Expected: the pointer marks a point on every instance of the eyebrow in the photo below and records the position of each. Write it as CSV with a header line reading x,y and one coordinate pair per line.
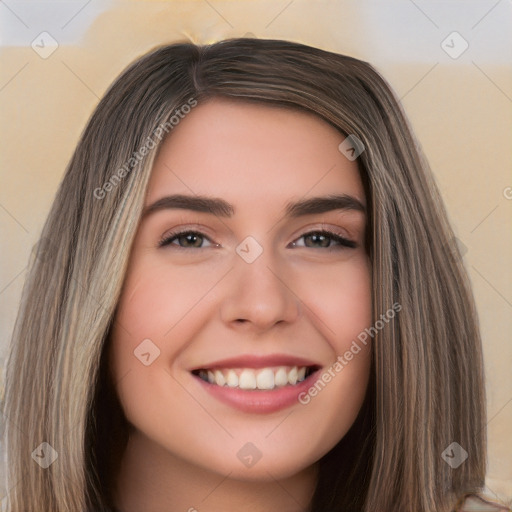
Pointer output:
x,y
221,208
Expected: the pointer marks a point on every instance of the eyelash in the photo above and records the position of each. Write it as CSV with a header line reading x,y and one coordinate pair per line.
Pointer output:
x,y
344,243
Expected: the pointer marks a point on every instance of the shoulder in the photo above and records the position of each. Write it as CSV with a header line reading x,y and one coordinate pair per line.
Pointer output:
x,y
477,504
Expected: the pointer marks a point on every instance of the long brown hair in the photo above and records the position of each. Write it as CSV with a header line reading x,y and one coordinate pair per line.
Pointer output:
x,y
426,389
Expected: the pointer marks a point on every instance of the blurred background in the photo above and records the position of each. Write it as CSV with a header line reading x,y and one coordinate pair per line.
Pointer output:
x,y
450,63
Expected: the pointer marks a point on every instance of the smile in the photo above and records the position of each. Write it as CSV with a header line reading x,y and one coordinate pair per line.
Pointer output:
x,y
256,379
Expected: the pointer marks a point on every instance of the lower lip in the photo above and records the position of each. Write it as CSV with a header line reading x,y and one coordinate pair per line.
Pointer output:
x,y
259,401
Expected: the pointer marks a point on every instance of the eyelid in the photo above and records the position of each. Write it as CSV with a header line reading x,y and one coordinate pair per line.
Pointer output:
x,y
175,232
344,240
324,226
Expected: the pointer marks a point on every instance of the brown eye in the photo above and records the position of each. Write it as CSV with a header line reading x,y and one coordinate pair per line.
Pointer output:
x,y
186,239
322,240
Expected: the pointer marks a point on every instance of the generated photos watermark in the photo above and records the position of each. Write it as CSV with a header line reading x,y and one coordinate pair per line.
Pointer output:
x,y
454,455
352,146
149,144
343,360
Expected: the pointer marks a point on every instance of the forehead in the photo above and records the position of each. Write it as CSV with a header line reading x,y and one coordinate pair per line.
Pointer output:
x,y
253,154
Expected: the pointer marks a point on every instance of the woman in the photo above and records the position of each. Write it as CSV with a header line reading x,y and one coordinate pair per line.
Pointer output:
x,y
315,347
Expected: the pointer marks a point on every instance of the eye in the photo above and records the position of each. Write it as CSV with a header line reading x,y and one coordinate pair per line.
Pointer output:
x,y
190,239
323,240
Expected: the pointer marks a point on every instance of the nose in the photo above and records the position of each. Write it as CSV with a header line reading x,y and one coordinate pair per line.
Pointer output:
x,y
259,295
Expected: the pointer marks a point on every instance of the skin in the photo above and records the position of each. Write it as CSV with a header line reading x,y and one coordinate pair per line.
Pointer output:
x,y
199,303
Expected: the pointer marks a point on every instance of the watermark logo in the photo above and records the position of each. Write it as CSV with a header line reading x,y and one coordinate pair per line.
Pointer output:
x,y
454,455
249,249
45,455
454,45
44,45
351,147
249,455
146,352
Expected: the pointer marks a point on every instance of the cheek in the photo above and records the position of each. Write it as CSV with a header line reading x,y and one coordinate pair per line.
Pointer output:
x,y
162,304
148,308
148,322
344,307
341,300
156,298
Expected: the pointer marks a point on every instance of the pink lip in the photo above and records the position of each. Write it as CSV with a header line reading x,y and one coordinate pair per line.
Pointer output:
x,y
255,361
259,401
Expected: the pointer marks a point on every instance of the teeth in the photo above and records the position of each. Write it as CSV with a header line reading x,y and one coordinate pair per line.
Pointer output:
x,y
281,378
265,379
219,378
232,380
249,379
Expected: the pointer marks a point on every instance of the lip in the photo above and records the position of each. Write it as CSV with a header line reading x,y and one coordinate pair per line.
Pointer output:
x,y
259,401
257,361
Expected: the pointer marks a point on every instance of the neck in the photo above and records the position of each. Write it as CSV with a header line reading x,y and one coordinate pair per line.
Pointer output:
x,y
153,480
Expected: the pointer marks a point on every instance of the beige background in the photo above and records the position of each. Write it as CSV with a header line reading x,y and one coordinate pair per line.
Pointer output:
x,y
460,108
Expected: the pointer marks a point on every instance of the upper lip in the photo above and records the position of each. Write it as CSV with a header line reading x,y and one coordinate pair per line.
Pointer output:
x,y
258,361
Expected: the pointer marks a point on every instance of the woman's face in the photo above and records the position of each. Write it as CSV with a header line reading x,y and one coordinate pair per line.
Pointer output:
x,y
253,297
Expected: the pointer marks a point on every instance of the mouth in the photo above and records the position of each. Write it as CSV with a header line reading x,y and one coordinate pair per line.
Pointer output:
x,y
254,379
257,383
